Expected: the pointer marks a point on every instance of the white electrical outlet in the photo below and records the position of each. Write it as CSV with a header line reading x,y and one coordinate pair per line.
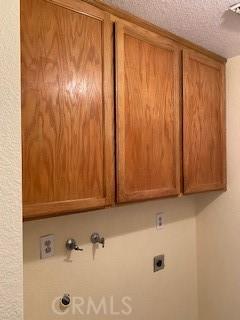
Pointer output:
x,y
47,246
159,221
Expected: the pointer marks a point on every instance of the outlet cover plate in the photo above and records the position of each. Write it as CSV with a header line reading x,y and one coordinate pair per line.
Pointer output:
x,y
158,263
159,221
47,246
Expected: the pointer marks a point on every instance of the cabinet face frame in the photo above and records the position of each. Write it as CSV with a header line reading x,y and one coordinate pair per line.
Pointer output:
x,y
121,29
220,67
53,208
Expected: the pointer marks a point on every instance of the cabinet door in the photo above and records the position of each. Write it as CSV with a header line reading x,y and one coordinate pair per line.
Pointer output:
x,y
67,113
147,85
203,123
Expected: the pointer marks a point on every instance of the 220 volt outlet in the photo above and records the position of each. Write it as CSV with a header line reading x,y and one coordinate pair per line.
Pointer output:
x,y
158,263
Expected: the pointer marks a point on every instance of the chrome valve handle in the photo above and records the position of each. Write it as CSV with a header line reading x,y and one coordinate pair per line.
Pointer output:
x,y
71,244
95,238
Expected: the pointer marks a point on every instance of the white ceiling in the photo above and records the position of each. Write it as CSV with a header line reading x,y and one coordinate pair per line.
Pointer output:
x,y
204,22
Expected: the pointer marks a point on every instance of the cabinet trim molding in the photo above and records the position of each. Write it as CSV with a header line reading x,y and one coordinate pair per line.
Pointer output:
x,y
57,208
122,14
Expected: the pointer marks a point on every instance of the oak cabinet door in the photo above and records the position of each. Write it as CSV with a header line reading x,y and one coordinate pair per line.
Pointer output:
x,y
67,112
147,114
203,123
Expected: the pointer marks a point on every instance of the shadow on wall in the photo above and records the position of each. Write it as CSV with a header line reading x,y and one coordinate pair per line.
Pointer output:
x,y
111,222
204,200
231,21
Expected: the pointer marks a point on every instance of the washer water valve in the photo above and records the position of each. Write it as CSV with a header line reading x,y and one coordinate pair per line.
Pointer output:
x,y
71,244
95,238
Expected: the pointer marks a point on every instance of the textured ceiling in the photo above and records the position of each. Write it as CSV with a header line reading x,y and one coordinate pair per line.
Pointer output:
x,y
204,22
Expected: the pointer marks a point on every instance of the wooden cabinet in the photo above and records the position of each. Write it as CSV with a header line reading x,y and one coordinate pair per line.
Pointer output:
x,y
148,99
204,145
161,134
67,108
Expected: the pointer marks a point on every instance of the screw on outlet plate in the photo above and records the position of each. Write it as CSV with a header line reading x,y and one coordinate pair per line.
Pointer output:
x,y
158,263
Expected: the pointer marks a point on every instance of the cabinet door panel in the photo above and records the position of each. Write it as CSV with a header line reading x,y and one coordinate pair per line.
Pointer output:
x,y
203,123
67,115
147,72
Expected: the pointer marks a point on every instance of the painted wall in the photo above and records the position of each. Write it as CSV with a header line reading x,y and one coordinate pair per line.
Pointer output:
x,y
218,222
124,268
10,164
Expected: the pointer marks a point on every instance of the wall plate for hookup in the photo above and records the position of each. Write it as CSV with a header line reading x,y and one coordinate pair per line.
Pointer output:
x,y
158,263
159,221
47,246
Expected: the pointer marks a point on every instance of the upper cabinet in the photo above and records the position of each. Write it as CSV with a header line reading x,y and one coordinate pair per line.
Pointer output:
x,y
114,110
67,107
147,114
204,144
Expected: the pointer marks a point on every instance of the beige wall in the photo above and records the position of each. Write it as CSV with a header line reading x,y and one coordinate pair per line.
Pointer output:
x,y
10,164
123,267
218,222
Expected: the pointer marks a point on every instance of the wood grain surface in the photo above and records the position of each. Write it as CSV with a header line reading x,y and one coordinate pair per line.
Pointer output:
x,y
204,143
147,115
117,13
66,108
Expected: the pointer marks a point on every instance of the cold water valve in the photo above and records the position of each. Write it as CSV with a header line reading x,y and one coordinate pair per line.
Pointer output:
x,y
96,238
